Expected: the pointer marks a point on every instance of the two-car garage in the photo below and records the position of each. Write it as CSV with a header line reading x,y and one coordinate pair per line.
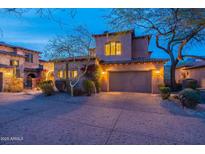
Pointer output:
x,y
130,81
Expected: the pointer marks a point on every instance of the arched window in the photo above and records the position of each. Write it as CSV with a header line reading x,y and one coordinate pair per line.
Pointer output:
x,y
113,49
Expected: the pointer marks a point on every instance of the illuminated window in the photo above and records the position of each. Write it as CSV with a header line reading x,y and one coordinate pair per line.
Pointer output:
x,y
107,49
64,73
113,49
14,63
71,74
74,74
60,74
118,48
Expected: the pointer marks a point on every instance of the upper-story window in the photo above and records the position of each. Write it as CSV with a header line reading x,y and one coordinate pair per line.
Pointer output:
x,y
14,63
113,49
29,57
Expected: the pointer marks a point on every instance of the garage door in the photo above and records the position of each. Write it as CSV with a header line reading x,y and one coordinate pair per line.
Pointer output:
x,y
130,81
1,81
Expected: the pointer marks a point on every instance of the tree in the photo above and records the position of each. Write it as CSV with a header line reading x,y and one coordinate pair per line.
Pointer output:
x,y
174,29
72,46
46,13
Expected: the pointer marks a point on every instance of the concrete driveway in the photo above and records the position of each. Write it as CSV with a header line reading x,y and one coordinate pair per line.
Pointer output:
x,y
106,118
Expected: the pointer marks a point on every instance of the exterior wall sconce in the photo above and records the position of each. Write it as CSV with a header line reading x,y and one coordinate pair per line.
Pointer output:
x,y
157,71
103,72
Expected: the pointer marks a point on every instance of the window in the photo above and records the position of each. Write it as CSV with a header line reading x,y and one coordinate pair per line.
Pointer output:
x,y
113,48
14,63
60,74
65,74
29,57
74,74
71,74
118,48
107,49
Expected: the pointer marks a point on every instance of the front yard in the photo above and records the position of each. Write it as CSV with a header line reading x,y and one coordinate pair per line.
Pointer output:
x,y
106,118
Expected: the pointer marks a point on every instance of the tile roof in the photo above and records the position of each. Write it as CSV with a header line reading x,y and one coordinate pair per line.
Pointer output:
x,y
136,60
113,33
10,53
5,66
197,64
16,47
78,58
33,69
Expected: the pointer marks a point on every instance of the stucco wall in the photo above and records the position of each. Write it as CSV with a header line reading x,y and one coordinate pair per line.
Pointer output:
x,y
49,66
6,49
5,59
72,66
36,57
156,69
125,39
197,73
140,47
8,73
35,63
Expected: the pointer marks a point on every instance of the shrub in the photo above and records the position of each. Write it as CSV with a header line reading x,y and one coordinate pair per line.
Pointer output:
x,y
94,73
189,83
97,86
78,91
189,98
14,85
47,87
60,85
165,92
89,87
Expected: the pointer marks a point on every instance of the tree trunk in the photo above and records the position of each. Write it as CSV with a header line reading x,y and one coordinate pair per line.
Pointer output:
x,y
67,79
172,75
71,91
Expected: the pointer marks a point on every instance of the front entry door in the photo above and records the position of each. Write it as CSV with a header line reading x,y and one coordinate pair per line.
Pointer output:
x,y
1,81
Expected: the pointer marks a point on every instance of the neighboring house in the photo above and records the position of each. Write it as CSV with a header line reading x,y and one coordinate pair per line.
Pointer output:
x,y
48,69
194,70
125,61
18,62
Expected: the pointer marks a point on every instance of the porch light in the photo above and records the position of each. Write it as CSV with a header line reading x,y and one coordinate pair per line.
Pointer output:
x,y
157,71
103,72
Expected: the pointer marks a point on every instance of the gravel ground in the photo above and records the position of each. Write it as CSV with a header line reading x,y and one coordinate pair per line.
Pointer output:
x,y
106,118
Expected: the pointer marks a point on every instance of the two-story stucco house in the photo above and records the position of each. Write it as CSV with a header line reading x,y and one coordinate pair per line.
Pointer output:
x,y
18,62
125,61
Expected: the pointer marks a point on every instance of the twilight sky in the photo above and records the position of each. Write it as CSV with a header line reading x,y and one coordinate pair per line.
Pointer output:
x,y
34,32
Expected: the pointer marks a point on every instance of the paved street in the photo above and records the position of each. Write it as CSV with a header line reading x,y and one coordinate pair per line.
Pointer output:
x,y
106,118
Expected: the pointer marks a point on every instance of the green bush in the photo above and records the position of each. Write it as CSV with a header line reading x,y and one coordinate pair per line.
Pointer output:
x,y
89,87
189,98
47,87
189,83
61,85
165,92
97,86
94,73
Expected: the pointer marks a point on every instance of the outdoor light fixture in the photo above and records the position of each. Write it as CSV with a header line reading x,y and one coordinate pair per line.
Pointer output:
x,y
103,72
157,71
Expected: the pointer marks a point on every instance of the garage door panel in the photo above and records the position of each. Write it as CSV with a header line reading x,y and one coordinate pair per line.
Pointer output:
x,y
130,81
